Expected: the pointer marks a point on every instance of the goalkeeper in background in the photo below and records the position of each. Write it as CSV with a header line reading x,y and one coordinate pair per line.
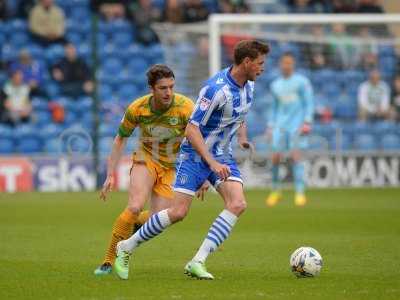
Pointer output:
x,y
289,122
162,117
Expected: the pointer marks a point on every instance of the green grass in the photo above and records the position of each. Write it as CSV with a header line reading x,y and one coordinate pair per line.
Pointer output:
x,y
50,244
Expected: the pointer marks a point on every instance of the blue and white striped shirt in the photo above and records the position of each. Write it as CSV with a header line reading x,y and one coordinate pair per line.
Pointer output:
x,y
220,110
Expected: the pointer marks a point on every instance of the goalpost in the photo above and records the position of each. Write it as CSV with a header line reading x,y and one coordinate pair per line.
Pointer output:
x,y
217,22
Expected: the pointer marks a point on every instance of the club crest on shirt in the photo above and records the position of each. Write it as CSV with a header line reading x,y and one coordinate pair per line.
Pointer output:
x,y
173,121
204,103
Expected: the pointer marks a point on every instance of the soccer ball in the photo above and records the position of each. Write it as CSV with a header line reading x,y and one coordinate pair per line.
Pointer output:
x,y
305,262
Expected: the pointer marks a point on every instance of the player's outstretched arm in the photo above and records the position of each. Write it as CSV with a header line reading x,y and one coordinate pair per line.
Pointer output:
x,y
195,138
116,153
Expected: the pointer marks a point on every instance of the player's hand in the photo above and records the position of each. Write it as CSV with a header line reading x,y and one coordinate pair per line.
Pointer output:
x,y
223,171
107,187
246,145
202,190
305,128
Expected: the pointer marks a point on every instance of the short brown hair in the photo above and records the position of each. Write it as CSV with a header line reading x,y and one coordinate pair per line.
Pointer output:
x,y
249,48
157,72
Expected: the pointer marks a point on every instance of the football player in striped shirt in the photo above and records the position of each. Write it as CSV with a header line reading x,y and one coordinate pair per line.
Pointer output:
x,y
206,154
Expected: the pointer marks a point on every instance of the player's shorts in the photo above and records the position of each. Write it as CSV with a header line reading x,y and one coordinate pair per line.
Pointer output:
x,y
285,141
192,172
163,177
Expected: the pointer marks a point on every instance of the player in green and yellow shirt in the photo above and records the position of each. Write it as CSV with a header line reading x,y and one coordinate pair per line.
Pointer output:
x,y
162,117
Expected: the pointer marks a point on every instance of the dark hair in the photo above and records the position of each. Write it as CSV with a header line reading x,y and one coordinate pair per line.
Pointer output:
x,y
249,48
288,53
157,72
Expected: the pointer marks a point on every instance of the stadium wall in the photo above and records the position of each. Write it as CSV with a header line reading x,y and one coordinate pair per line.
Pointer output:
x,y
53,174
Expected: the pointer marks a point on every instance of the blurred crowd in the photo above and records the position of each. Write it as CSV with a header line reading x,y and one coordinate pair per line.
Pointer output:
x,y
47,26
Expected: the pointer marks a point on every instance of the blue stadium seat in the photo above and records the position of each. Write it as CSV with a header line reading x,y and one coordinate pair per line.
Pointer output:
x,y
155,54
107,130
19,40
6,145
39,104
25,131
78,13
54,53
136,66
74,37
341,142
390,142
127,92
385,127
318,143
29,145
51,131
122,40
345,110
52,146
17,25
36,51
6,131
105,92
105,145
112,66
42,118
365,142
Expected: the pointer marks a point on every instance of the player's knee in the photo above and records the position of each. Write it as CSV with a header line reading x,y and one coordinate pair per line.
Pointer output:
x,y
178,213
134,208
238,206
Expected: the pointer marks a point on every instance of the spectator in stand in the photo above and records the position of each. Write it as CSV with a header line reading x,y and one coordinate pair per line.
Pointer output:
x,y
396,99
301,7
110,9
316,53
173,12
73,74
374,98
342,48
367,51
32,72
3,10
343,6
143,13
194,11
233,6
15,100
373,7
47,24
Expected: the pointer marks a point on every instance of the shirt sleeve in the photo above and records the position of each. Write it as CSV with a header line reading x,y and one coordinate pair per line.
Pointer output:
x,y
210,99
128,123
308,98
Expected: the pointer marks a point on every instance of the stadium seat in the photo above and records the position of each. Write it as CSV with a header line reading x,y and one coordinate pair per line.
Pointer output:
x,y
51,131
78,13
112,66
390,142
39,104
42,118
122,40
385,127
29,145
17,25
52,146
6,131
136,66
19,40
6,145
341,142
107,130
105,92
105,145
365,142
127,92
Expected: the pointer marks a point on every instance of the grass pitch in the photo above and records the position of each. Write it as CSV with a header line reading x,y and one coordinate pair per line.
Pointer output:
x,y
50,243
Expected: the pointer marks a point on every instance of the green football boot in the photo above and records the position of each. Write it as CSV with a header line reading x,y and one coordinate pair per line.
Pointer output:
x,y
197,270
121,264
103,269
